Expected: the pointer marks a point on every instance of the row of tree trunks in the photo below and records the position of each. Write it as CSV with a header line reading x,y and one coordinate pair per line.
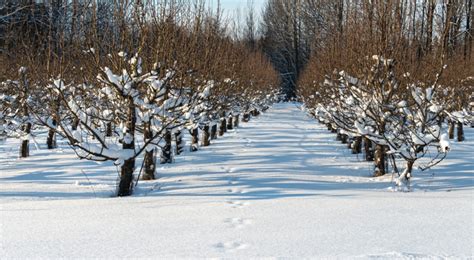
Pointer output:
x,y
255,112
377,154
209,133
460,130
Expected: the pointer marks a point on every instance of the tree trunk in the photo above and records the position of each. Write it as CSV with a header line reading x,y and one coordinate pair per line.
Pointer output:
x,y
246,117
222,127
230,124
178,137
369,153
460,132
468,34
149,165
126,178
357,145
236,121
344,138
214,132
51,140
255,112
194,139
25,147
379,160
407,173
166,153
128,167
205,136
429,24
109,130
451,129
149,161
350,141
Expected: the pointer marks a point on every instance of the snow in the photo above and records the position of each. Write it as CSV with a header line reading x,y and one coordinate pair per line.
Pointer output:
x,y
278,186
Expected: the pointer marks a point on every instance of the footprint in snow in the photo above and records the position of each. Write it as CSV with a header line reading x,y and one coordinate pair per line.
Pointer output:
x,y
231,246
232,181
236,191
238,204
238,222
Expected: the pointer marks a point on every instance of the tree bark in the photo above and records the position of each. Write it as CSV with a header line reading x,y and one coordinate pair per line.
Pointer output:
x,y
214,132
460,132
379,160
25,147
205,136
369,153
166,153
236,121
149,163
451,127
357,145
109,130
230,124
246,117
350,141
51,140
178,137
194,139
407,174
128,167
344,138
429,24
255,112
222,127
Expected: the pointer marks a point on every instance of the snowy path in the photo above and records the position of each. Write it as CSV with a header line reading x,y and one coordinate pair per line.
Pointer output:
x,y
279,186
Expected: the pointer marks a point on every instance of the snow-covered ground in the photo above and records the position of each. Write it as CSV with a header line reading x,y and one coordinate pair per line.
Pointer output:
x,y
278,186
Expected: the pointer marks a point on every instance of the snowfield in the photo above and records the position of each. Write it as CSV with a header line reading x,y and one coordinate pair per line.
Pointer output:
x,y
278,186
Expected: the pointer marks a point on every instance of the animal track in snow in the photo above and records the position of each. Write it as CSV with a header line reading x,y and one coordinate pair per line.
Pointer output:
x,y
232,181
238,204
235,191
238,222
231,246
